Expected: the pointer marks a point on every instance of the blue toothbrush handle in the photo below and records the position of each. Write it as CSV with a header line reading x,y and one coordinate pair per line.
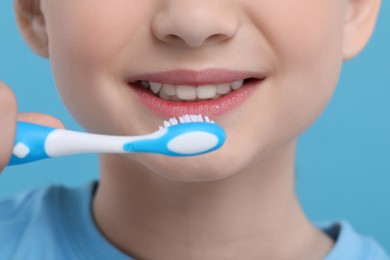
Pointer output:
x,y
29,143
35,142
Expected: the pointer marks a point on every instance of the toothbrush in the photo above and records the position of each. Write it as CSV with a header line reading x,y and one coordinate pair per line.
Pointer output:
x,y
189,135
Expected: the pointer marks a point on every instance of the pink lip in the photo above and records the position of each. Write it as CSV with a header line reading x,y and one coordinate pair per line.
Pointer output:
x,y
213,108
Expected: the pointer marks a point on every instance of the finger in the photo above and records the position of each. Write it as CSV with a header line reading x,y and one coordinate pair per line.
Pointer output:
x,y
8,115
42,119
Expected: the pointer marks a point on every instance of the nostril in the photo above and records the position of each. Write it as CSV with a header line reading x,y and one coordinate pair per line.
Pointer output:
x,y
218,38
173,38
193,41
195,23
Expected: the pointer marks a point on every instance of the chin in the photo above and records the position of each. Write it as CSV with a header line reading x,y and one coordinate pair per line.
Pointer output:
x,y
204,168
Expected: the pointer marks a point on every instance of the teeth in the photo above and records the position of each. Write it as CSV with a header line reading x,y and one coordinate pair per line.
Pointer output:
x,y
155,87
207,91
164,96
217,96
170,90
145,84
186,92
224,88
191,93
237,84
175,98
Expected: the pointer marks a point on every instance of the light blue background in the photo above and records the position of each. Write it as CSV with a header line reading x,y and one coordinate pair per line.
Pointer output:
x,y
343,164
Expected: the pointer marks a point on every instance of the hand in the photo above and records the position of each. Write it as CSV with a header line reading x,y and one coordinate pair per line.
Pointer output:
x,y
8,119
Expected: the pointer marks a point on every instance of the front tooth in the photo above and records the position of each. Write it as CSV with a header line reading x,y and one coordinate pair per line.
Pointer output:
x,y
170,90
155,87
186,92
206,91
224,88
237,84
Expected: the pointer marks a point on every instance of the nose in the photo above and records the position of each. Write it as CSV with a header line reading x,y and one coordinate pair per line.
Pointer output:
x,y
195,22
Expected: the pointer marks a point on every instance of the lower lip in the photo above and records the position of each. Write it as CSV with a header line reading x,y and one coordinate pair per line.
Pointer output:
x,y
212,108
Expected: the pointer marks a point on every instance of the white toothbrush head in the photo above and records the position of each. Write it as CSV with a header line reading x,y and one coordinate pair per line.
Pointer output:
x,y
186,119
187,135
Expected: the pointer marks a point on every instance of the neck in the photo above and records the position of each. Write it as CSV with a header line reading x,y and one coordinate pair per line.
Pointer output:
x,y
253,214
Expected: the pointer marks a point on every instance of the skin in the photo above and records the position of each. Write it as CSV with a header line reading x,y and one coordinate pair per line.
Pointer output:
x,y
236,203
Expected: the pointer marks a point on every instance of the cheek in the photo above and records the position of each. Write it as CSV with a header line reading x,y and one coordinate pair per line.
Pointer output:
x,y
89,43
305,39
308,46
90,32
305,31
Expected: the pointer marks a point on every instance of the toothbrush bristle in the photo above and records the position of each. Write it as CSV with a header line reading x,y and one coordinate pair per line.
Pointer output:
x,y
186,119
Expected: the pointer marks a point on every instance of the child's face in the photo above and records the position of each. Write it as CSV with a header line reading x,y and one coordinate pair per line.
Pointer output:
x,y
97,47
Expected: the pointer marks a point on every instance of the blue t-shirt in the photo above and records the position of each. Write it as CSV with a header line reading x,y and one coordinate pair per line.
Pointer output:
x,y
56,223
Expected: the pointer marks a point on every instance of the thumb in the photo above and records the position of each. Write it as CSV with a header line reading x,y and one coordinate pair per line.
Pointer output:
x,y
41,119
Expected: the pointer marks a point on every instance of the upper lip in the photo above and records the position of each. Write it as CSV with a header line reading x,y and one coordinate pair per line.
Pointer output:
x,y
196,78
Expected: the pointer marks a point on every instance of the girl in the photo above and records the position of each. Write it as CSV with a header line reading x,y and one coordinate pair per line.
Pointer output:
x,y
263,70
